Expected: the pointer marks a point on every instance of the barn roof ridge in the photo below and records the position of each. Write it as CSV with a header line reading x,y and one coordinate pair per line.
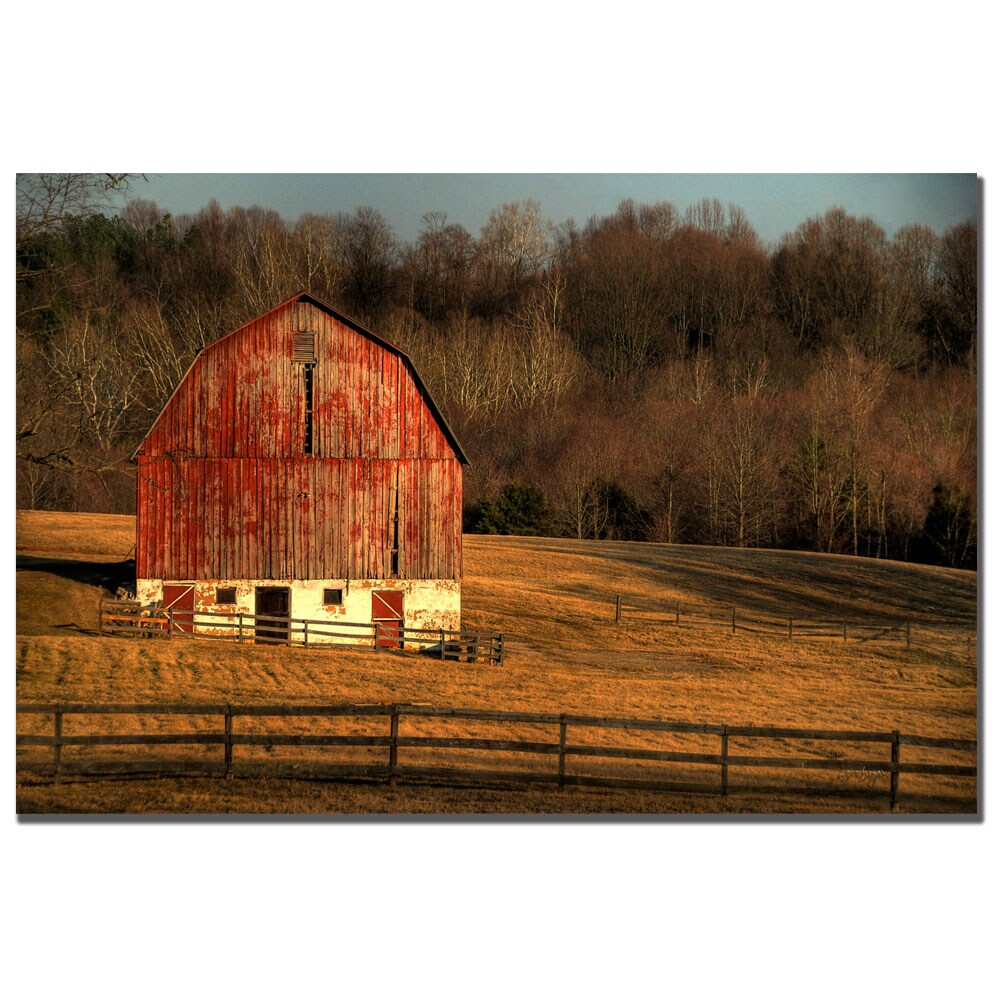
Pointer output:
x,y
348,321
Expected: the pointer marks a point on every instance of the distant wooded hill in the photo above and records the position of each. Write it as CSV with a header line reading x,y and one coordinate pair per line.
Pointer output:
x,y
648,375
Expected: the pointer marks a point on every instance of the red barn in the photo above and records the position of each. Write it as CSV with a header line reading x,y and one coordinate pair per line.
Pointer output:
x,y
302,469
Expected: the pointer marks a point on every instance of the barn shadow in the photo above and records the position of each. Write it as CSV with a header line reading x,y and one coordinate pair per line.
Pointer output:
x,y
107,575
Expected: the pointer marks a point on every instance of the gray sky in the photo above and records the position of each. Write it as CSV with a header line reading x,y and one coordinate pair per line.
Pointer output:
x,y
774,203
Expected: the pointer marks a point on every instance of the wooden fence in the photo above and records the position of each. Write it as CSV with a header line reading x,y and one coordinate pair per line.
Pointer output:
x,y
929,633
557,748
128,618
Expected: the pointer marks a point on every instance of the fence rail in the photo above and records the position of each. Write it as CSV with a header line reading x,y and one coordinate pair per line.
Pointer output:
x,y
930,633
557,745
128,618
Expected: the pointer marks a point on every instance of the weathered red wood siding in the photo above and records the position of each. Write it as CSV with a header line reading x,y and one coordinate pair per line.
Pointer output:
x,y
226,491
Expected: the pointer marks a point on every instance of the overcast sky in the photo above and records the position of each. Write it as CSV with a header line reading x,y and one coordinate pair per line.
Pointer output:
x,y
774,203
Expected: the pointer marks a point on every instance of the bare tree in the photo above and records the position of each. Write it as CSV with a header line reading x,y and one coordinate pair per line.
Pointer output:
x,y
955,277
547,365
370,254
45,200
319,248
102,382
616,303
439,267
514,246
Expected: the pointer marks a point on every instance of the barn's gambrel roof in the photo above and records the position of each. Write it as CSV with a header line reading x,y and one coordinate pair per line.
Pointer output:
x,y
347,321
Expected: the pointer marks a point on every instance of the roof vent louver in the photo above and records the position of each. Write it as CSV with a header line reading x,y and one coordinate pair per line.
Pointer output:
x,y
305,349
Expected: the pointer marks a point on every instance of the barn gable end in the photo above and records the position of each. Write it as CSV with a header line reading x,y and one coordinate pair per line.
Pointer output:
x,y
300,447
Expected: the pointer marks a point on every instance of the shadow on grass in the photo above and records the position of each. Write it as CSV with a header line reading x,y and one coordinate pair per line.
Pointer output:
x,y
775,582
108,575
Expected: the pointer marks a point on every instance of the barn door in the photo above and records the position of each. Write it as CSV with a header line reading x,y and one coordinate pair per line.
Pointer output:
x,y
178,598
387,612
271,601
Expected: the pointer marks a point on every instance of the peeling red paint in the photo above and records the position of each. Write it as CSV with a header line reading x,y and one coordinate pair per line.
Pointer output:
x,y
227,491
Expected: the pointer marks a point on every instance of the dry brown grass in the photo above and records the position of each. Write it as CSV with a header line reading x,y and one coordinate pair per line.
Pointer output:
x,y
555,601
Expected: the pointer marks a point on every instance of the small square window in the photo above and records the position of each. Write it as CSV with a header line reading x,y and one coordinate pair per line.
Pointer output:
x,y
225,595
331,596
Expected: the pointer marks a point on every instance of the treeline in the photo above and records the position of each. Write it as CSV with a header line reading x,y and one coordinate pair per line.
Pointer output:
x,y
650,375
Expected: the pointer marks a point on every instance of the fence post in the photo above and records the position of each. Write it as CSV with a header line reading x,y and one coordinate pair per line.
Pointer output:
x,y
724,751
375,629
57,747
500,661
239,639
734,619
562,751
894,777
393,742
170,623
288,634
442,644
305,633
618,608
229,740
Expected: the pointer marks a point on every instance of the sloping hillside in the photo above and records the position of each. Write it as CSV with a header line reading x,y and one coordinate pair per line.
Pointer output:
x,y
764,581
555,601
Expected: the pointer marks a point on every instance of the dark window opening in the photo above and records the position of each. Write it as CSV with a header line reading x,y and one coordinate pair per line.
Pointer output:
x,y
332,596
394,551
225,595
308,369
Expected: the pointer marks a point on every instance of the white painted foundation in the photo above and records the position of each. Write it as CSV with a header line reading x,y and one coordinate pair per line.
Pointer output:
x,y
429,604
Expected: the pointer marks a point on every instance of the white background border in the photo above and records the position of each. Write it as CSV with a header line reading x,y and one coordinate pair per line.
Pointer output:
x,y
501,909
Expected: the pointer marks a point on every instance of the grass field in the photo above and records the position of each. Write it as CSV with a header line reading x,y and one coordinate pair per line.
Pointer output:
x,y
554,600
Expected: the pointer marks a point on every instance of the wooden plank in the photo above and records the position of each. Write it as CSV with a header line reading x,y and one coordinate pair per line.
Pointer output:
x,y
432,711
468,743
122,739
772,732
488,715
307,710
301,740
628,753
81,708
